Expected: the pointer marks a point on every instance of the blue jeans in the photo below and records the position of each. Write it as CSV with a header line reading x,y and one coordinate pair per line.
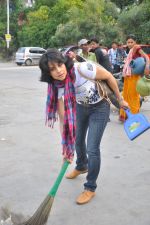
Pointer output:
x,y
94,119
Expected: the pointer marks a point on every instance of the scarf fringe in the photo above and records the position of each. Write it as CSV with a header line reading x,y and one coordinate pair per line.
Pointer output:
x,y
50,121
68,151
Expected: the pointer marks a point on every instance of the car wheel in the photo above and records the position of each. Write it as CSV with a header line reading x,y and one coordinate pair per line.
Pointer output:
x,y
28,62
19,64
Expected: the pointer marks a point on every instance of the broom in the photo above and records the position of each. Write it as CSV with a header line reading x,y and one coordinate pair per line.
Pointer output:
x,y
40,216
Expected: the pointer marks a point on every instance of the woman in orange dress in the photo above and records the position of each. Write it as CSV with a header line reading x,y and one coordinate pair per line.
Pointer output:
x,y
129,90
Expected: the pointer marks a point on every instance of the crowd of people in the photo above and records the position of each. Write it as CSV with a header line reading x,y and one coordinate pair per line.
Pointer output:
x,y
115,60
83,113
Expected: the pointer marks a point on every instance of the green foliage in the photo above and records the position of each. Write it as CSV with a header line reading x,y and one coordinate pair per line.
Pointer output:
x,y
61,39
36,32
35,35
63,22
2,23
126,3
42,14
59,13
87,21
15,6
139,17
49,3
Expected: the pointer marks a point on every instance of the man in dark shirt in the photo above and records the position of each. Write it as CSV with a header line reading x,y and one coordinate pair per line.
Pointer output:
x,y
101,54
120,56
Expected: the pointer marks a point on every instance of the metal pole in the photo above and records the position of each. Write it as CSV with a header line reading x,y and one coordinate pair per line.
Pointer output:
x,y
7,22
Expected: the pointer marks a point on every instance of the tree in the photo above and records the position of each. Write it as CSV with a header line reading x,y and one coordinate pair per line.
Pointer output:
x,y
59,13
137,20
87,21
62,22
126,3
49,3
15,6
36,32
44,21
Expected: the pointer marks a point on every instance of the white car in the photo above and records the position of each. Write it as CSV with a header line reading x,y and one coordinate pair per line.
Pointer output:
x,y
29,55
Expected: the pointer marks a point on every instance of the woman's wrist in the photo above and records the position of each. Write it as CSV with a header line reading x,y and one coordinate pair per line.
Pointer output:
x,y
120,99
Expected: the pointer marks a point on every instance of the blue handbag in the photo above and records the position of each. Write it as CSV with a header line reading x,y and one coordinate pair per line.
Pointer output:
x,y
137,66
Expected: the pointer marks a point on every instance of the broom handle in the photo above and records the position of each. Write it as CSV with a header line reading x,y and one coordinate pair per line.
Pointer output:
x,y
59,178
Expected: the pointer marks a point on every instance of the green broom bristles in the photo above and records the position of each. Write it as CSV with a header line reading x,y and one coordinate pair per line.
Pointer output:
x,y
41,215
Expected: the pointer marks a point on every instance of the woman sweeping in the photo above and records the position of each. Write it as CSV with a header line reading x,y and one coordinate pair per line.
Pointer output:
x,y
130,80
92,112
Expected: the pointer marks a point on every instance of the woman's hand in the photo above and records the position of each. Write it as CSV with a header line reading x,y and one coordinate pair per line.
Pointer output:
x,y
123,103
68,160
68,157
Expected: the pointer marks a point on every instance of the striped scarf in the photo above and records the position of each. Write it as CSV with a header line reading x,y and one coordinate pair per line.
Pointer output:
x,y
69,126
127,69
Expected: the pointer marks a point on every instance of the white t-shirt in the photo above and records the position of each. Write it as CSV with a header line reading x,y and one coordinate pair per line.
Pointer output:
x,y
86,92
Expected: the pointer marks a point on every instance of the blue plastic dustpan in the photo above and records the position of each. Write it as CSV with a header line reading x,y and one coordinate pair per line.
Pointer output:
x,y
135,124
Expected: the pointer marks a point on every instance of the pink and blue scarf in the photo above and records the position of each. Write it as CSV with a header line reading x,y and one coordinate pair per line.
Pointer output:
x,y
69,126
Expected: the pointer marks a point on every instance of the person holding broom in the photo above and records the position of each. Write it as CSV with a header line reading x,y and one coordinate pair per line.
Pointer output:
x,y
82,109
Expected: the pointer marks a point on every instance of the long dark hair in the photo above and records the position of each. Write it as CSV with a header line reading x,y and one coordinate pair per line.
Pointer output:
x,y
53,55
131,36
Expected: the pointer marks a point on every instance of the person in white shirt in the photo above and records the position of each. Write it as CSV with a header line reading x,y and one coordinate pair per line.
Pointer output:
x,y
112,52
83,110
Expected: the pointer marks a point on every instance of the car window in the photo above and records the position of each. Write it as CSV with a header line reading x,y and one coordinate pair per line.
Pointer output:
x,y
33,50
41,51
37,51
21,50
66,50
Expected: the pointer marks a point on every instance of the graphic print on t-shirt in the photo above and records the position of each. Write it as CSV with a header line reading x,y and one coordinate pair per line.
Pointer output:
x,y
87,93
89,66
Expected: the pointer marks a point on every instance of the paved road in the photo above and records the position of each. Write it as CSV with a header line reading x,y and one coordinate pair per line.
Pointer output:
x,y
30,158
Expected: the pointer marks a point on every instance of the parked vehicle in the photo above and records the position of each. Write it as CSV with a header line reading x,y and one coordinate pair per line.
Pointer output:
x,y
146,48
29,55
67,49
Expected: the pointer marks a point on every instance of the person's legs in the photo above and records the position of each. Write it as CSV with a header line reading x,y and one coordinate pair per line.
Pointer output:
x,y
98,119
81,130
116,68
80,145
97,122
